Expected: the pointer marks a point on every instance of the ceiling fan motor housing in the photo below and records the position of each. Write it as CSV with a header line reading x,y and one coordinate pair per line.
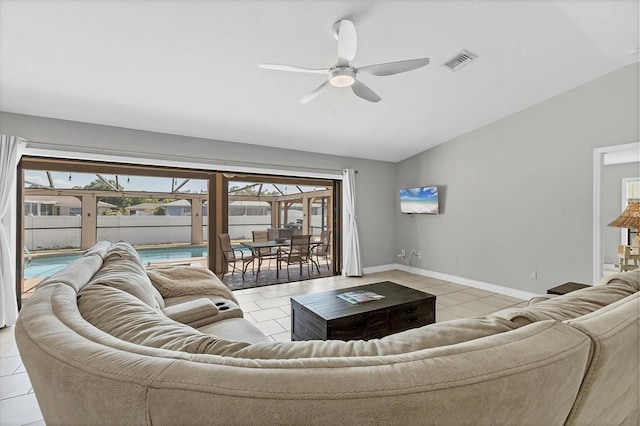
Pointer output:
x,y
342,76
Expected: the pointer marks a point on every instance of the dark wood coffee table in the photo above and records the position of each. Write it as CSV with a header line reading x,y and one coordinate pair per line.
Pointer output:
x,y
324,316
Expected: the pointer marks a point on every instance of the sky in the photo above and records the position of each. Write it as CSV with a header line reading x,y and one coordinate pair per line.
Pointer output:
x,y
130,183
144,183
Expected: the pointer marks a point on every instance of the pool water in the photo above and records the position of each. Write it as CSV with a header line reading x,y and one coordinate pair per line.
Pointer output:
x,y
46,266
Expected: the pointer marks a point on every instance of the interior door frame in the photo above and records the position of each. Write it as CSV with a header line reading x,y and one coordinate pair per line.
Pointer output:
x,y
599,155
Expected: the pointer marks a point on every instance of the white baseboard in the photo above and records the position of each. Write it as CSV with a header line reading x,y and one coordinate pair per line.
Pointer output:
x,y
380,268
494,288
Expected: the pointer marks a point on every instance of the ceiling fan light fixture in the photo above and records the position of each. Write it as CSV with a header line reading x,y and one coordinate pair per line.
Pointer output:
x,y
342,80
343,74
342,77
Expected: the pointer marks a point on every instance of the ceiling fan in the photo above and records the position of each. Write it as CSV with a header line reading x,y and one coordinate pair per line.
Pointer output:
x,y
343,74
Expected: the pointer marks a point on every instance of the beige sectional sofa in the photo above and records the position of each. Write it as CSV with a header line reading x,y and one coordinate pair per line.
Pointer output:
x,y
102,346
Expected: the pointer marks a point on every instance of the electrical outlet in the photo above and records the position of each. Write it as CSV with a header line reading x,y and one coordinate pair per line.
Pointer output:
x,y
419,255
533,275
455,261
403,252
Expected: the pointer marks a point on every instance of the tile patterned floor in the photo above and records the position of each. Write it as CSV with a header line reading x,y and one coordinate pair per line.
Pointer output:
x,y
267,307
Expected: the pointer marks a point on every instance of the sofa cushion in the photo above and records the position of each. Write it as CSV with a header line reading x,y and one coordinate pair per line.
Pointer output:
x,y
124,251
77,274
100,248
631,278
125,317
430,336
570,305
127,275
234,329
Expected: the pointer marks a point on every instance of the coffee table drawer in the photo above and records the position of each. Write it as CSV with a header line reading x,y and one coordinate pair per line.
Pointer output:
x,y
412,315
367,326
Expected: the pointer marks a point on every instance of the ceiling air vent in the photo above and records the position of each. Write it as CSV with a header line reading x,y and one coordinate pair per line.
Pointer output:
x,y
461,59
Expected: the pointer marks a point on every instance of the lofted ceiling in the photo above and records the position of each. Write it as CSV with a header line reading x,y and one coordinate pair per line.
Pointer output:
x,y
191,67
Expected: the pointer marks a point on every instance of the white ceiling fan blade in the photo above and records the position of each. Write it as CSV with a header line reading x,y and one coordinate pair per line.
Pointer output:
x,y
364,92
306,98
293,68
391,68
347,42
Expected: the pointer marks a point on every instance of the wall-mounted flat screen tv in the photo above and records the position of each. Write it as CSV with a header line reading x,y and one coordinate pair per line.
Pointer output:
x,y
421,200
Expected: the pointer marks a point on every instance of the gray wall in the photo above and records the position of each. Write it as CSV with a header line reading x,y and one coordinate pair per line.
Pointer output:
x,y
375,181
612,204
517,193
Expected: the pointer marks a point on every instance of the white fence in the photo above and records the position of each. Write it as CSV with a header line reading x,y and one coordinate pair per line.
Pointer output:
x,y
145,229
49,232
54,232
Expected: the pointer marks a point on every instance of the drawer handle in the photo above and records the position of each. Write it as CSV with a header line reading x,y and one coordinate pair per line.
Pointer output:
x,y
410,310
410,320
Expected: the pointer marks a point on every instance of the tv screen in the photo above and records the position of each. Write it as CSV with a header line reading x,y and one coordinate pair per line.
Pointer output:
x,y
421,200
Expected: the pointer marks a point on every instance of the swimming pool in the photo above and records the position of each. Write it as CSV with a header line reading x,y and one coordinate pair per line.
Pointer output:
x,y
44,266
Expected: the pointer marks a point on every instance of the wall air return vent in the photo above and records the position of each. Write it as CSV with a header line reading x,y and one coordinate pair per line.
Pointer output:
x,y
461,59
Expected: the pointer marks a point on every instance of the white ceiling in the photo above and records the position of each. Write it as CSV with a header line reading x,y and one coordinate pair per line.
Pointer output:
x,y
191,67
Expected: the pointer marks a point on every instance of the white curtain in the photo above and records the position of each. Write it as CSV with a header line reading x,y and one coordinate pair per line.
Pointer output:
x,y
8,168
352,262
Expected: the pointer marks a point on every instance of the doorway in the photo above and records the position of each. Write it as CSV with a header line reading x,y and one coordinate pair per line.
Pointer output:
x,y
263,208
75,203
604,156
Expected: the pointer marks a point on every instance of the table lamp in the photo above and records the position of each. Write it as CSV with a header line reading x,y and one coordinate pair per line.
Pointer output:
x,y
630,218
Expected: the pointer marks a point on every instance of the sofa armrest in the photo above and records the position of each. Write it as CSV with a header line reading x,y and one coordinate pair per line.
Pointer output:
x,y
194,312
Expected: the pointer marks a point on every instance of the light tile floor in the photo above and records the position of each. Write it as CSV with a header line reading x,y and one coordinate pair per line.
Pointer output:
x,y
269,308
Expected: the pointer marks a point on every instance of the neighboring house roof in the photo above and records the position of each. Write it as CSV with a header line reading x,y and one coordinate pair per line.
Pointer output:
x,y
250,203
178,203
145,206
62,201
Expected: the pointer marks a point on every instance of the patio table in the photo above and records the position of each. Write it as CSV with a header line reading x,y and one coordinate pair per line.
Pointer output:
x,y
255,247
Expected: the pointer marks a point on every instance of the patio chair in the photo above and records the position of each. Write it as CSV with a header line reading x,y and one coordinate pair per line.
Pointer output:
x,y
231,255
297,253
322,250
267,252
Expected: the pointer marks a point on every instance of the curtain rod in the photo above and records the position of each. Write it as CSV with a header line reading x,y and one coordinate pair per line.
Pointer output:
x,y
31,144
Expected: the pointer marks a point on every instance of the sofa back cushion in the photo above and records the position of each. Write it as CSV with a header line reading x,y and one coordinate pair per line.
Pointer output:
x,y
631,278
127,275
77,274
126,317
100,248
124,251
569,306
610,389
431,336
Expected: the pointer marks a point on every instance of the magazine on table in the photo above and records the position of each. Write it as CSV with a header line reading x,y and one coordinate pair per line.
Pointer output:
x,y
355,297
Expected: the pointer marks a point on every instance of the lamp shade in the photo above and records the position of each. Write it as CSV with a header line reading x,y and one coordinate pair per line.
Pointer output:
x,y
630,217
